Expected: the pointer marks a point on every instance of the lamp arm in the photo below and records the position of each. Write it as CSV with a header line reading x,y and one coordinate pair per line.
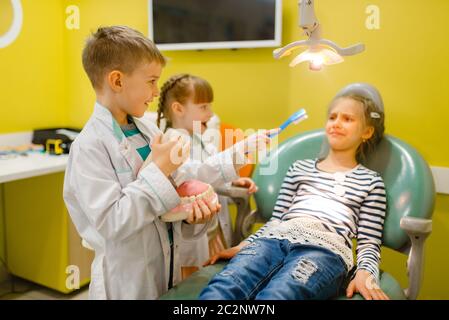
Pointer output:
x,y
280,52
307,18
348,51
312,28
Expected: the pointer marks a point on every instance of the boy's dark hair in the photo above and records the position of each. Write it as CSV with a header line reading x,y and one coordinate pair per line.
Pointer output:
x,y
117,48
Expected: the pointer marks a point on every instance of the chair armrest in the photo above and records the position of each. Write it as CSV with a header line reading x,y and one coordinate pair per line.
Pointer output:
x,y
241,198
233,192
418,230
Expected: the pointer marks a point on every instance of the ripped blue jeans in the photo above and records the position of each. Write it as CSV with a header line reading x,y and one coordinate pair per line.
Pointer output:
x,y
272,269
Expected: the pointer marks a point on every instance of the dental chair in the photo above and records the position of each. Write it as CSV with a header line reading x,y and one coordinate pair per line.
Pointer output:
x,y
410,202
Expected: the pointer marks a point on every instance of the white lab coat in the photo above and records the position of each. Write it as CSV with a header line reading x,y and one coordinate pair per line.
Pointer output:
x,y
195,253
116,208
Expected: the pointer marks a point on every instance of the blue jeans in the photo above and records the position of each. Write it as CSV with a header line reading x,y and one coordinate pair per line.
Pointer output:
x,y
272,269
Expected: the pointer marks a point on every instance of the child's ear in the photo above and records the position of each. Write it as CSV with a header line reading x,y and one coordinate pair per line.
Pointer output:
x,y
177,108
369,131
114,80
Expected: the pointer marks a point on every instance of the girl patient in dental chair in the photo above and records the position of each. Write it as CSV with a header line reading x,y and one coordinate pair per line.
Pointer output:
x,y
305,250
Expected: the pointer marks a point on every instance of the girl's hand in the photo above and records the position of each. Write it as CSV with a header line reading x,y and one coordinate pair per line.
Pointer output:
x,y
203,212
366,285
245,149
258,140
225,254
246,183
168,156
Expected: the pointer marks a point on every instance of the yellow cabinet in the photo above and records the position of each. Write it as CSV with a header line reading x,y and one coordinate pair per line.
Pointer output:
x,y
42,244
3,272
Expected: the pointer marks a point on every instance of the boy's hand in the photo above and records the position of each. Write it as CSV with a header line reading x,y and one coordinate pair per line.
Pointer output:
x,y
169,156
225,254
246,183
366,285
203,212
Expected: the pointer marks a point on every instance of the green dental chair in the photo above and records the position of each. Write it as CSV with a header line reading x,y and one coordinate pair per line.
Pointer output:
x,y
410,197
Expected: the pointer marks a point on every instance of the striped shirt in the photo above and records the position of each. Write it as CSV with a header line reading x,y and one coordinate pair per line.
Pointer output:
x,y
351,204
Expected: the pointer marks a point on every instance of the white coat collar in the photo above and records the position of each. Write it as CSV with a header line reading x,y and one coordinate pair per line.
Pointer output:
x,y
132,157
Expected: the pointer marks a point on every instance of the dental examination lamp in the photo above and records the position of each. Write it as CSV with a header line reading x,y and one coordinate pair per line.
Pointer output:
x,y
320,51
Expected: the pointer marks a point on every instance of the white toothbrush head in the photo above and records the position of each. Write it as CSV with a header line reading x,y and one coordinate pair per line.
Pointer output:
x,y
299,119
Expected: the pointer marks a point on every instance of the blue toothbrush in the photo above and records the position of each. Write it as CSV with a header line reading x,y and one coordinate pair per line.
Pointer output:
x,y
295,118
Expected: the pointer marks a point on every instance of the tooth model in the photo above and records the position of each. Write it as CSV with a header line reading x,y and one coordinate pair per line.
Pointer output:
x,y
190,192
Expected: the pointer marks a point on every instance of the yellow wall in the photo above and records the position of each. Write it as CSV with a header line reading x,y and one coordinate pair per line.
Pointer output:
x,y
244,81
33,92
406,59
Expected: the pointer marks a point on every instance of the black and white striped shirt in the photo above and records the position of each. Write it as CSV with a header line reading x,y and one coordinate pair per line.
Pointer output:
x,y
351,204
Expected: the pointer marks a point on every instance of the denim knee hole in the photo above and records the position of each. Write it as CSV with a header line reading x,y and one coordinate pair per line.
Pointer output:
x,y
304,270
249,249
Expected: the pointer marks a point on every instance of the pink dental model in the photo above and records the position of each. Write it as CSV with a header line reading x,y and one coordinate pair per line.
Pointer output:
x,y
190,191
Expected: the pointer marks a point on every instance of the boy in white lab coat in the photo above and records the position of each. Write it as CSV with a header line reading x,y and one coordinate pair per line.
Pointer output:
x,y
114,203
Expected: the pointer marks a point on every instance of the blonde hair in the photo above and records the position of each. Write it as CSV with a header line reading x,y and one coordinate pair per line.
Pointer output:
x,y
373,116
117,48
180,88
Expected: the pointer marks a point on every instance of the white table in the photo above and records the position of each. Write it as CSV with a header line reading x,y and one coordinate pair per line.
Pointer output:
x,y
32,165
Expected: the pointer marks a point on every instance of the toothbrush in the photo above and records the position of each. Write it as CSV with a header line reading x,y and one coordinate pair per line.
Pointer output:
x,y
295,118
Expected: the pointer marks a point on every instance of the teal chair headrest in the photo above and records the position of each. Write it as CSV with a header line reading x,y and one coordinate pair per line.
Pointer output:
x,y
365,90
